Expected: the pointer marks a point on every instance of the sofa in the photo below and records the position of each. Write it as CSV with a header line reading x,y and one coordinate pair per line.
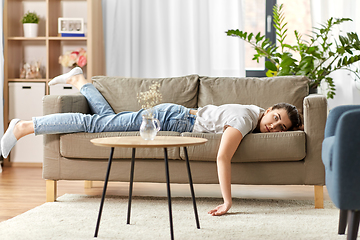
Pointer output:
x,y
283,158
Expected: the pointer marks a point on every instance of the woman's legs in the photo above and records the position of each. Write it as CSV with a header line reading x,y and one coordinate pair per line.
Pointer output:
x,y
75,77
66,78
10,137
79,122
172,117
23,128
96,100
69,123
18,128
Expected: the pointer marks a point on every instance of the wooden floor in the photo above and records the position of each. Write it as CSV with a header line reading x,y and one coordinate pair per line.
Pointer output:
x,y
22,189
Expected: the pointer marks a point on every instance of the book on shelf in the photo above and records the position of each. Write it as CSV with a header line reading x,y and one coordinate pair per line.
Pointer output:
x,y
72,34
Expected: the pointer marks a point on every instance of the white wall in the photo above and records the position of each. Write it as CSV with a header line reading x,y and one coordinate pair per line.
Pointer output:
x,y
346,91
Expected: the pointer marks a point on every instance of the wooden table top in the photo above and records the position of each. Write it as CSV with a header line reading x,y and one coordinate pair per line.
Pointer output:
x,y
138,142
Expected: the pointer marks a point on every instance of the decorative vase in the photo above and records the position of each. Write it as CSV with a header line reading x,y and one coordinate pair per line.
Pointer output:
x,y
313,90
30,30
149,127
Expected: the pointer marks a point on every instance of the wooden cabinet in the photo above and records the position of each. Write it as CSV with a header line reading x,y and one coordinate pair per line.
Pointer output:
x,y
48,46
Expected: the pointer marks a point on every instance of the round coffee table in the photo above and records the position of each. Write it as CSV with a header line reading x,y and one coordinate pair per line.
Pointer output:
x,y
159,142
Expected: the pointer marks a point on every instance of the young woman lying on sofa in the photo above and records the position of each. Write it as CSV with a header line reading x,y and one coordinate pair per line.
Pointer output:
x,y
234,121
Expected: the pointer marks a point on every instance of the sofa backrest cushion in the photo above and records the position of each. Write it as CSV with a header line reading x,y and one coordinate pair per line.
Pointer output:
x,y
263,92
255,147
121,93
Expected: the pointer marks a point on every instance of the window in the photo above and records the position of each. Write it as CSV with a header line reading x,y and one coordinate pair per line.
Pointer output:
x,y
258,18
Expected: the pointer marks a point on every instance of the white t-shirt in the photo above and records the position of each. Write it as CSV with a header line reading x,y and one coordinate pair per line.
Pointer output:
x,y
214,119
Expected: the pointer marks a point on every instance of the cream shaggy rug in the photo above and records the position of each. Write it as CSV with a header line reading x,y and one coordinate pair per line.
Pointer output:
x,y
74,217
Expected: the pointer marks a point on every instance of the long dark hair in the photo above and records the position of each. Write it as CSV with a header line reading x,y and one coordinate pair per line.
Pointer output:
x,y
292,113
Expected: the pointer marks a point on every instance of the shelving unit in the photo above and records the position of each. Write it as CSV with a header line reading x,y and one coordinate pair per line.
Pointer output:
x,y
48,46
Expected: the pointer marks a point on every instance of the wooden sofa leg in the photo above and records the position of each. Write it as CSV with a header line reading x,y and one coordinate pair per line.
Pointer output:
x,y
319,196
88,184
51,190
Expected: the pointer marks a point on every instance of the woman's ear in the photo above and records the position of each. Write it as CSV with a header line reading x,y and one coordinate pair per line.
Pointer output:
x,y
268,110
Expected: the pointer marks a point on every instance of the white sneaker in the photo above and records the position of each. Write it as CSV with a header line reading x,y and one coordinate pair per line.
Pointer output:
x,y
61,79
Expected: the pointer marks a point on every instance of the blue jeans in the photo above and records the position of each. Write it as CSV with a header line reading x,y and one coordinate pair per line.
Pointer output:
x,y
172,117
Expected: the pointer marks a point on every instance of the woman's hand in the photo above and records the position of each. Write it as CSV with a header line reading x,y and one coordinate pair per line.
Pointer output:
x,y
220,210
230,141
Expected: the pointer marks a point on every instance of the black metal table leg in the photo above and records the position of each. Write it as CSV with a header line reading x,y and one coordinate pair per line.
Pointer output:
x,y
131,184
104,192
353,225
168,192
343,216
192,189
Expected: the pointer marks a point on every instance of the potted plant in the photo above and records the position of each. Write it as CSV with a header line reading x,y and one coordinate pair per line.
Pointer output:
x,y
319,57
30,22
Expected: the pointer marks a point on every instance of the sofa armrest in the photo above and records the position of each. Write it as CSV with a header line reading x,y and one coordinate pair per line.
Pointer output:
x,y
64,104
58,104
315,114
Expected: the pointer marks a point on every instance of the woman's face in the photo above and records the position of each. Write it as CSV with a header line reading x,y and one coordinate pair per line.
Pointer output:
x,y
275,120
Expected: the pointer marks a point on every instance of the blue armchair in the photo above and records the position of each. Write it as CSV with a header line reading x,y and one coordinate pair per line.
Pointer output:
x,y
341,157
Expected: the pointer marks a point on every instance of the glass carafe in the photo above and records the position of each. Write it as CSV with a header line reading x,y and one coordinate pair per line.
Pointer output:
x,y
149,127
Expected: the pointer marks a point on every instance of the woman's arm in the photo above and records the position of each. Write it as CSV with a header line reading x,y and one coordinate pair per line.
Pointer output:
x,y
230,141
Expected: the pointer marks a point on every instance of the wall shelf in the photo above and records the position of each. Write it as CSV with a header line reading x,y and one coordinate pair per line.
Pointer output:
x,y
27,80
26,39
68,38
48,46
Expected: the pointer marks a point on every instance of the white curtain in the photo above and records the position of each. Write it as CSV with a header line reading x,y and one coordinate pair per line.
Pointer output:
x,y
322,10
1,72
162,38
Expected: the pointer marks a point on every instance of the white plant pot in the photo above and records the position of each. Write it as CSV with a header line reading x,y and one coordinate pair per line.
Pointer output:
x,y
30,30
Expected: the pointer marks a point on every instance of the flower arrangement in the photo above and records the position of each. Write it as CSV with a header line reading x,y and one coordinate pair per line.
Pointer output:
x,y
150,98
76,58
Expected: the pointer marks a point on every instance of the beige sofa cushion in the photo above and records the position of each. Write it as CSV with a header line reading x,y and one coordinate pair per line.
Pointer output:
x,y
263,92
121,93
258,147
78,145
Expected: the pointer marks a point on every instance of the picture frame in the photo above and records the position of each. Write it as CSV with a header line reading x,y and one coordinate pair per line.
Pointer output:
x,y
71,27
